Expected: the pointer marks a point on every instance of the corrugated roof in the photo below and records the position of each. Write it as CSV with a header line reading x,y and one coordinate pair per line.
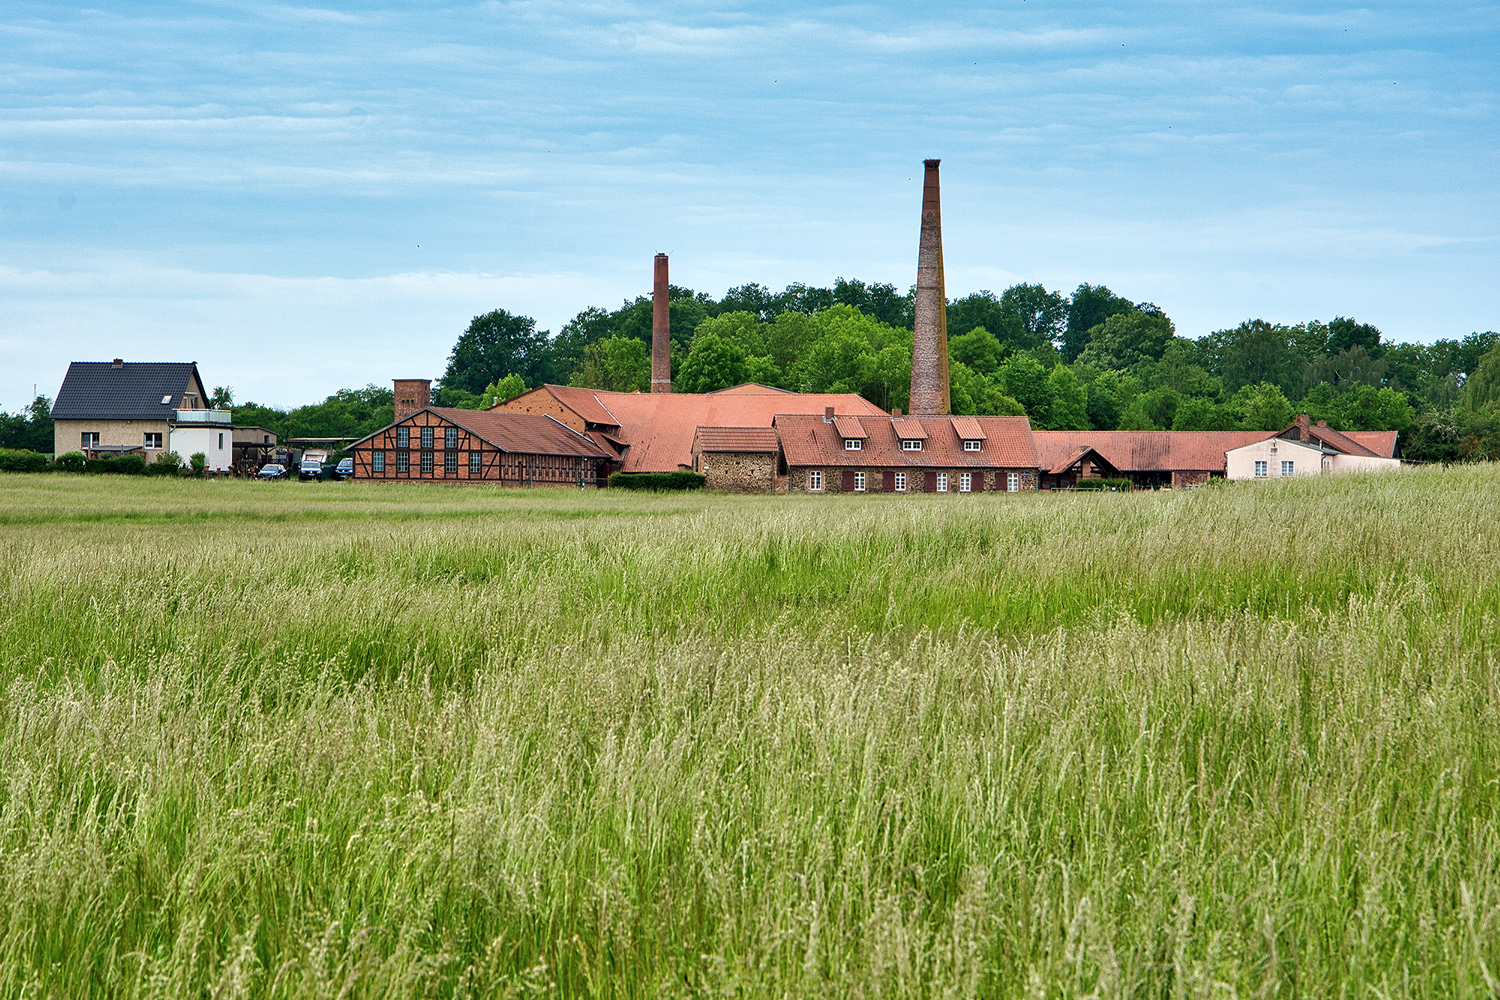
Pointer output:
x,y
1146,451
849,427
808,441
751,439
968,428
658,428
97,390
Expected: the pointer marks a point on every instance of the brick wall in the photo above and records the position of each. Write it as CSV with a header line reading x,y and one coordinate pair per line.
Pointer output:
x,y
995,480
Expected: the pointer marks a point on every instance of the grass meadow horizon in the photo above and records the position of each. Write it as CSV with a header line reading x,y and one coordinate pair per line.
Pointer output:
x,y
361,740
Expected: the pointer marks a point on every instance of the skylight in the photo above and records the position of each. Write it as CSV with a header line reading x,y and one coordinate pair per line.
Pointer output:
x,y
165,400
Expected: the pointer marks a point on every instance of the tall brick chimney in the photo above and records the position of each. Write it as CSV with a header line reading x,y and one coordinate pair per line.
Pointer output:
x,y
661,329
412,394
929,355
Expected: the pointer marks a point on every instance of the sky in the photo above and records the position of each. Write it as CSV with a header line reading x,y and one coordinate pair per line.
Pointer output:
x,y
303,199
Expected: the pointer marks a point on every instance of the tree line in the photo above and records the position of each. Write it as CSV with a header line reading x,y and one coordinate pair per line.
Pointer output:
x,y
1089,360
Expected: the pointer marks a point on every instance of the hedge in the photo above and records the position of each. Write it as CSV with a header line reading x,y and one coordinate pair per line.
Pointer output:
x,y
657,480
21,460
69,461
1108,485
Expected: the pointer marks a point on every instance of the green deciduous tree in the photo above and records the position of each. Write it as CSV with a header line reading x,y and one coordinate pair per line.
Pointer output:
x,y
1090,306
979,349
1024,379
712,363
495,345
619,364
1261,407
1068,409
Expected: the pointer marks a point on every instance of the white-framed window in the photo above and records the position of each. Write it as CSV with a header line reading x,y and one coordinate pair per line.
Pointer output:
x,y
221,442
377,461
942,483
476,459
911,444
965,482
900,482
90,439
403,461
426,437
815,480
973,445
153,439
450,437
853,444
1013,483
450,463
1287,467
1260,470
859,482
403,437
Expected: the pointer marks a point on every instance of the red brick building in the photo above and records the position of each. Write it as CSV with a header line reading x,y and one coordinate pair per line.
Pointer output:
x,y
912,454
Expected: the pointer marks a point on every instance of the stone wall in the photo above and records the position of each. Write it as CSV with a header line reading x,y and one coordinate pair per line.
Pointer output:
x,y
833,479
738,472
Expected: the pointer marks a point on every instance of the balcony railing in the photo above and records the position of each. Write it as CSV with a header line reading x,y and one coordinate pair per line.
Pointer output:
x,y
202,416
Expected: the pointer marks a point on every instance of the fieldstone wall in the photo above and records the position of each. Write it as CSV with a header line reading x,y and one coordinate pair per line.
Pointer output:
x,y
738,472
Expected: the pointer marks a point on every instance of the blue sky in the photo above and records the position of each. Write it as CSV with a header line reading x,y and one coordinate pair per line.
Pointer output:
x,y
303,199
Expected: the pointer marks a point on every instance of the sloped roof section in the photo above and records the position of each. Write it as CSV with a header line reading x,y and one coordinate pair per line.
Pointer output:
x,y
740,439
748,389
1146,451
1343,442
1381,443
97,390
908,428
658,427
968,429
523,433
849,427
807,441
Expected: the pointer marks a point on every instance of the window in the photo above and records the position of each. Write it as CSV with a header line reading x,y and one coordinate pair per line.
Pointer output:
x,y
90,439
403,437
853,444
475,458
426,463
965,482
403,462
221,442
942,484
1286,467
1013,483
153,439
859,482
450,463
972,445
426,437
815,480
911,444
377,461
450,437
1260,470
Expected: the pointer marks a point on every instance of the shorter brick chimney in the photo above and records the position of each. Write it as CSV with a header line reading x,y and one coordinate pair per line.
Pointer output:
x,y
896,413
117,363
827,414
1304,424
412,394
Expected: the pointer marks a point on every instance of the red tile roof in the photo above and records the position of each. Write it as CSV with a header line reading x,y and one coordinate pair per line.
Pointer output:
x,y
968,428
658,428
525,433
1382,443
908,428
1343,442
808,441
1145,451
849,427
745,439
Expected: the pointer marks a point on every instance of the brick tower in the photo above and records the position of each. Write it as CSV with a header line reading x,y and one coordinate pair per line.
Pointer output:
x,y
929,354
661,328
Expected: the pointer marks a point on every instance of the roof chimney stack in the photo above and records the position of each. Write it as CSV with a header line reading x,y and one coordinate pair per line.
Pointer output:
x,y
661,328
117,363
929,356
827,414
412,394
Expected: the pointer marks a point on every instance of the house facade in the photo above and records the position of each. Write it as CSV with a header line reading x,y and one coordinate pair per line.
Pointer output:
x,y
440,444
737,459
142,408
1307,449
899,454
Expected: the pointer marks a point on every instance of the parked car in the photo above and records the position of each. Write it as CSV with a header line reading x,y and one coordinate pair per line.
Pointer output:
x,y
344,470
271,470
310,468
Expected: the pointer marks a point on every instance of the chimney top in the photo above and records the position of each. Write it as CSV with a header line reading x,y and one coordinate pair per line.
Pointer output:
x,y
1322,423
895,413
827,414
117,363
931,164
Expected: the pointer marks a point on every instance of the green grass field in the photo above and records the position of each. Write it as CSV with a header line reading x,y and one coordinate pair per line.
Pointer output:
x,y
330,740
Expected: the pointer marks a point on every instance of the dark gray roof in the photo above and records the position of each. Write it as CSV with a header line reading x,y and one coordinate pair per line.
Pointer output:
x,y
97,390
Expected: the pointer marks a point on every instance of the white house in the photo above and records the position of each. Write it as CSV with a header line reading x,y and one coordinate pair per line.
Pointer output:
x,y
1307,450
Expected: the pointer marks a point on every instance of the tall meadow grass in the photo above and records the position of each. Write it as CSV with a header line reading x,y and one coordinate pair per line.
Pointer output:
x,y
282,740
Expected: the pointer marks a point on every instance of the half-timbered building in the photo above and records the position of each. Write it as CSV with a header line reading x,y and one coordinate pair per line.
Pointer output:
x,y
440,444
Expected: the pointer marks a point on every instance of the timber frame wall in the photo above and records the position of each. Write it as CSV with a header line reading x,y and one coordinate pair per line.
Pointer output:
x,y
416,462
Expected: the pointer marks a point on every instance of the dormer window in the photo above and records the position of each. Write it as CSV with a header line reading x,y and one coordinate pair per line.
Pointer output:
x,y
972,445
911,444
853,444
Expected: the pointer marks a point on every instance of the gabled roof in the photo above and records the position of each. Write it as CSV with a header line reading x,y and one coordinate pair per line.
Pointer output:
x,y
1064,464
1381,443
908,428
1146,451
97,390
657,428
747,389
1340,442
741,439
849,427
521,433
807,441
968,428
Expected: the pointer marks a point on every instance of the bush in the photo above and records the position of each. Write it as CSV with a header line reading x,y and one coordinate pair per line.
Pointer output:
x,y
128,465
657,481
199,463
21,460
168,463
1105,485
68,461
100,462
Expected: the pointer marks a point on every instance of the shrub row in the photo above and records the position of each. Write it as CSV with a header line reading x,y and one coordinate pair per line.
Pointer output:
x,y
1108,485
680,480
168,463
